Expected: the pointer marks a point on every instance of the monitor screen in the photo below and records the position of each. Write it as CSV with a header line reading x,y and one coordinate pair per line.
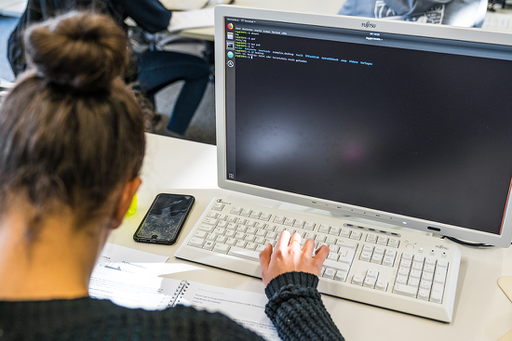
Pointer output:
x,y
403,123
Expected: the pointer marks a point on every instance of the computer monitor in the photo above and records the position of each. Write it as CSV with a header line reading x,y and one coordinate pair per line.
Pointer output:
x,y
402,123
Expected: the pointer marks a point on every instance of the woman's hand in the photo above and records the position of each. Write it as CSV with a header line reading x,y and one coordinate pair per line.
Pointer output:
x,y
288,256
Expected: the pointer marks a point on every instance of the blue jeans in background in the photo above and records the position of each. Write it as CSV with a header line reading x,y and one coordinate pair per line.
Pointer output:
x,y
158,69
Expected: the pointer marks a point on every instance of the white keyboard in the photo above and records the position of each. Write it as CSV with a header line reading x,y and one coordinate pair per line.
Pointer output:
x,y
404,271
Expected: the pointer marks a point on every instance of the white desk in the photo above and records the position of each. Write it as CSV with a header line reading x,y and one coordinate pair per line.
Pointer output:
x,y
482,311
306,6
12,8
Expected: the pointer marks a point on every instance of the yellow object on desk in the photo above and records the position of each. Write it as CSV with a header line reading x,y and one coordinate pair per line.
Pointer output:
x,y
133,206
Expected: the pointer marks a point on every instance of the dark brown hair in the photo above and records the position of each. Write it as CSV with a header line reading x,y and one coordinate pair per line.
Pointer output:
x,y
71,131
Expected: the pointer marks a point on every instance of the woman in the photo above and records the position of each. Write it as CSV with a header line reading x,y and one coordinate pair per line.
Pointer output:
x,y
72,144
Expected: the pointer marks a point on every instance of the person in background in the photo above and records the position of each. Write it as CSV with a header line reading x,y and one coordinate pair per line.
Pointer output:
x,y
465,13
153,69
72,142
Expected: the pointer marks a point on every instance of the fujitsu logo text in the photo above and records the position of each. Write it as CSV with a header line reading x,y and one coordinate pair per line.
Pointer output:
x,y
368,24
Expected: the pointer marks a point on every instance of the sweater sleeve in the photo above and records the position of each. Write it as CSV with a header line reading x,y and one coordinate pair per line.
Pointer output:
x,y
296,308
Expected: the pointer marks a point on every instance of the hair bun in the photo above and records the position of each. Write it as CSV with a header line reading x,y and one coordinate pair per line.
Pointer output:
x,y
83,50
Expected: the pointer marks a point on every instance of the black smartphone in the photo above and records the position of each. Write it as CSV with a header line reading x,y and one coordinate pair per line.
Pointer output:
x,y
165,218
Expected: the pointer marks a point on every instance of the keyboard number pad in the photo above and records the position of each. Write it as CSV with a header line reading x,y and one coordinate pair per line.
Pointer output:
x,y
421,277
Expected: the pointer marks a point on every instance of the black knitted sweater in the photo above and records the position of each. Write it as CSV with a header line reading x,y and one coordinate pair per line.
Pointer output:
x,y
294,306
296,309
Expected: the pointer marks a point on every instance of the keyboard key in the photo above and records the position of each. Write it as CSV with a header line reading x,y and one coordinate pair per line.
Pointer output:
x,y
407,256
403,271
260,225
393,242
381,240
236,210
310,226
436,295
288,221
320,239
330,240
194,241
333,256
210,221
299,223
218,206
381,285
442,263
372,273
255,214
405,290
206,228
244,253
341,276
259,240
346,255
329,273
401,279
369,282
427,276
368,248
334,230
440,275
336,265
265,216
347,243
324,229
279,219
220,248
200,234
212,215
345,233
371,238
365,256
260,248
333,248
272,235
356,235
377,258
430,261
208,245
413,282
357,280
424,294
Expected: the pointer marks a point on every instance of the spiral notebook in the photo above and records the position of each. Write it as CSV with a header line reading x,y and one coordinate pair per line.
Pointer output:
x,y
245,307
131,278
